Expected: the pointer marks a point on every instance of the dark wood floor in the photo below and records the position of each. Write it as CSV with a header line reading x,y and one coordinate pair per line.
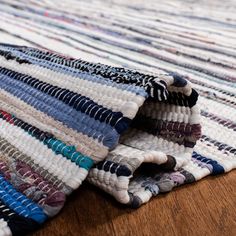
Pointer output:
x,y
207,207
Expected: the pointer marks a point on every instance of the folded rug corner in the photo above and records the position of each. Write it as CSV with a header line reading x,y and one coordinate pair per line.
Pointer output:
x,y
63,119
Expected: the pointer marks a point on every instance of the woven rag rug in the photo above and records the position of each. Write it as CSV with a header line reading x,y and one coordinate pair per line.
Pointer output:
x,y
137,98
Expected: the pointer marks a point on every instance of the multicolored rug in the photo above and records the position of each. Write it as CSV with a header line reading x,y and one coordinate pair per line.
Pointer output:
x,y
138,96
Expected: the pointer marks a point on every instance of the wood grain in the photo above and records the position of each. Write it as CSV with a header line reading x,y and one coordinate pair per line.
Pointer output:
x,y
207,207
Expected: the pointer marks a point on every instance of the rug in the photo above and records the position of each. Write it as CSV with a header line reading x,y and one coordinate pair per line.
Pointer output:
x,y
115,92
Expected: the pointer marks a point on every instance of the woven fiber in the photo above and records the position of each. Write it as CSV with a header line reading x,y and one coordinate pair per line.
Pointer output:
x,y
133,124
59,116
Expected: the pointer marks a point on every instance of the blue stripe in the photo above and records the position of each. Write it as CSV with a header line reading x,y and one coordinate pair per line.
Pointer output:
x,y
216,167
60,111
23,206
76,73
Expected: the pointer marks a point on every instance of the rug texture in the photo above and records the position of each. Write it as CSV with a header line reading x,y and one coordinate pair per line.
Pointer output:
x,y
137,98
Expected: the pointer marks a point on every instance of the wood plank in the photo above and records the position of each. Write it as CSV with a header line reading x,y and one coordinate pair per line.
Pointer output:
x,y
207,207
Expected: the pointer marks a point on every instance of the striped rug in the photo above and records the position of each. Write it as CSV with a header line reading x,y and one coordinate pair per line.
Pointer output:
x,y
195,39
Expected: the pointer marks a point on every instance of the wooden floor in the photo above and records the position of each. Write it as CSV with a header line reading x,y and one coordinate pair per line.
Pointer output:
x,y
207,207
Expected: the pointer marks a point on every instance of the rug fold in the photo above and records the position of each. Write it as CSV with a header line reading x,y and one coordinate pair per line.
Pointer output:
x,y
63,119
